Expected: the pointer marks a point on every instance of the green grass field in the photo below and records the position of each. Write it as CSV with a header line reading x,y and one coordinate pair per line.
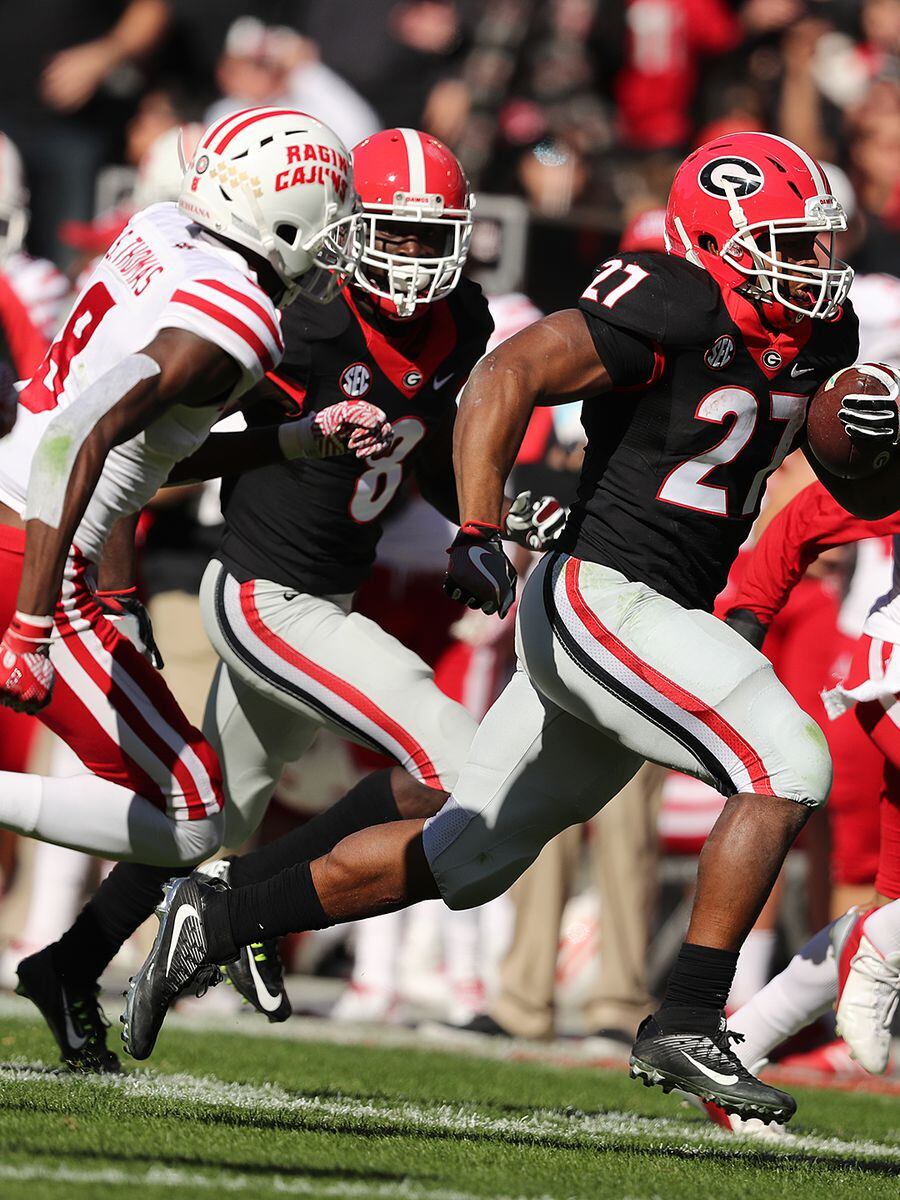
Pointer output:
x,y
260,1116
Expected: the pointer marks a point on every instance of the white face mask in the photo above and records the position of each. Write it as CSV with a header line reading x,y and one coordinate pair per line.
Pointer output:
x,y
826,286
410,282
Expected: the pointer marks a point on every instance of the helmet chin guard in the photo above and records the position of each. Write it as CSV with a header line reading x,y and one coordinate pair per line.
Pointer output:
x,y
406,178
748,192
279,183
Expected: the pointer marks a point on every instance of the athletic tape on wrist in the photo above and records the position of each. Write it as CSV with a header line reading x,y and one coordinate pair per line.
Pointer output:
x,y
54,459
297,439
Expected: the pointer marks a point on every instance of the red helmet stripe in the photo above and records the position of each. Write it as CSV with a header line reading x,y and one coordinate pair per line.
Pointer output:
x,y
258,116
211,134
415,157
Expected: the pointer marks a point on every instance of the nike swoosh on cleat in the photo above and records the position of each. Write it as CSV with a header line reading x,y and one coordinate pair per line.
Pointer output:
x,y
709,1072
186,911
265,997
73,1038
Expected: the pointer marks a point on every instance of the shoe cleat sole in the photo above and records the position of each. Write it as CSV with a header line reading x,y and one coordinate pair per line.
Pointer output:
x,y
651,1077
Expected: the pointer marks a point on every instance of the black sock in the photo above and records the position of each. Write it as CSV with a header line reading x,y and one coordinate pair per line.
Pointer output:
x,y
285,903
701,979
120,905
370,802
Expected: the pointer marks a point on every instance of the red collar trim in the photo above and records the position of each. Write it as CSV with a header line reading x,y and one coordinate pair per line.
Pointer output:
x,y
409,372
759,339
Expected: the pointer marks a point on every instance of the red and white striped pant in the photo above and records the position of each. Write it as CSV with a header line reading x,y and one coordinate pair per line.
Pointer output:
x,y
111,706
294,663
612,673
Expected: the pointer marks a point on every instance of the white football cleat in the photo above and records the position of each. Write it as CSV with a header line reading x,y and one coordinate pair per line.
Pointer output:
x,y
867,1001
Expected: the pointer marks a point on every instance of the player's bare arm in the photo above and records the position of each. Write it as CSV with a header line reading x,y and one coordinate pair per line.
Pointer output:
x,y
177,367
553,361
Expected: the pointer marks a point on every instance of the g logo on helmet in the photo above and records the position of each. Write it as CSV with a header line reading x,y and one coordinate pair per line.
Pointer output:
x,y
719,177
356,380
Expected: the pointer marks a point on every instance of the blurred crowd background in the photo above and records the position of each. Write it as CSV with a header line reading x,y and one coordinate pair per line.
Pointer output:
x,y
570,117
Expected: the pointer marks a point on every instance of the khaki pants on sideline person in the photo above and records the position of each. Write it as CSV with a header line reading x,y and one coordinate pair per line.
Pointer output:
x,y
623,855
190,659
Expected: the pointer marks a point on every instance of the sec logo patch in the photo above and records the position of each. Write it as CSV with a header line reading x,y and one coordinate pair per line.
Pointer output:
x,y
356,380
720,353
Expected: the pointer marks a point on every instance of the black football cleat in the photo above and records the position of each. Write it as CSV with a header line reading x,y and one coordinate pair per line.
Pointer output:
x,y
258,975
177,964
72,1012
704,1064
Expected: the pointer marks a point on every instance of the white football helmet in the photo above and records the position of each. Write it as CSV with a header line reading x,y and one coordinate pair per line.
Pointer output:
x,y
13,199
280,183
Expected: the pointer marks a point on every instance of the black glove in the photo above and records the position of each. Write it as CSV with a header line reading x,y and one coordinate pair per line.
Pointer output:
x,y
748,625
479,573
133,621
873,420
535,523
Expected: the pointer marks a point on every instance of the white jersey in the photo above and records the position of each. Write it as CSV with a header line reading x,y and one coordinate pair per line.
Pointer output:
x,y
162,272
42,288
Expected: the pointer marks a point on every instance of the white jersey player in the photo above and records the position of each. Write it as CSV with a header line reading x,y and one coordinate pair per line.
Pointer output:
x,y
176,323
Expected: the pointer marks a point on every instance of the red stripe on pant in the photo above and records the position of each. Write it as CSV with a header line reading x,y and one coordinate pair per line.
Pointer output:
x,y
340,687
132,663
691,704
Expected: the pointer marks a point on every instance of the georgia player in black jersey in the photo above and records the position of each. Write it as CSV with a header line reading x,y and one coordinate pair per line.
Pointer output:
x,y
276,600
695,368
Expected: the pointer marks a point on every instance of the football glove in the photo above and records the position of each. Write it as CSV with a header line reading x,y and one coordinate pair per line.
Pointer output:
x,y
873,420
127,613
748,625
26,673
349,427
534,524
479,573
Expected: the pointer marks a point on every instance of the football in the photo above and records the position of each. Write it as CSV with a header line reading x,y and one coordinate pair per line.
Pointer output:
x,y
825,432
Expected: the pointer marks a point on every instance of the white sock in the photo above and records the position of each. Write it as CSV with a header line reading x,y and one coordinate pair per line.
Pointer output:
x,y
377,951
882,928
753,966
805,989
100,817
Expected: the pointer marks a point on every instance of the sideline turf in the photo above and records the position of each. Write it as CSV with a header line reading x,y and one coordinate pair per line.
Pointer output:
x,y
351,1122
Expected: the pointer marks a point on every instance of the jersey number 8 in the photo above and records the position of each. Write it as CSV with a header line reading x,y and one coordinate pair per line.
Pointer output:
x,y
378,486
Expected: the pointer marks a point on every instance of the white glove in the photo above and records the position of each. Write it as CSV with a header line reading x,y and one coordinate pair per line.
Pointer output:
x,y
349,427
534,524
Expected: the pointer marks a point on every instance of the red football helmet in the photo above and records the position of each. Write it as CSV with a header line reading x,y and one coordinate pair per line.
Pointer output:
x,y
405,176
745,190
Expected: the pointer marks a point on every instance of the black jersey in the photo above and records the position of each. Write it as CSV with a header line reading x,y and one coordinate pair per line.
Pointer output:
x,y
675,468
314,525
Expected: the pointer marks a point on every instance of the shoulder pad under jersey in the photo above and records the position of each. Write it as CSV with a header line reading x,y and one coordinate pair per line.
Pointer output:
x,y
663,298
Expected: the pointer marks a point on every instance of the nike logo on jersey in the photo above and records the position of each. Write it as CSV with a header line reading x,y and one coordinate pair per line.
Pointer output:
x,y
709,1072
266,1000
184,913
439,383
75,1040
796,370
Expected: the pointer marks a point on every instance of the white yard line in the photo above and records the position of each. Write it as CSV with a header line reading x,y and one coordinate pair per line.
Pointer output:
x,y
540,1127
281,1185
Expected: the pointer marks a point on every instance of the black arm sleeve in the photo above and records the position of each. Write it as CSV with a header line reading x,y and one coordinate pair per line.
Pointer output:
x,y
629,358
